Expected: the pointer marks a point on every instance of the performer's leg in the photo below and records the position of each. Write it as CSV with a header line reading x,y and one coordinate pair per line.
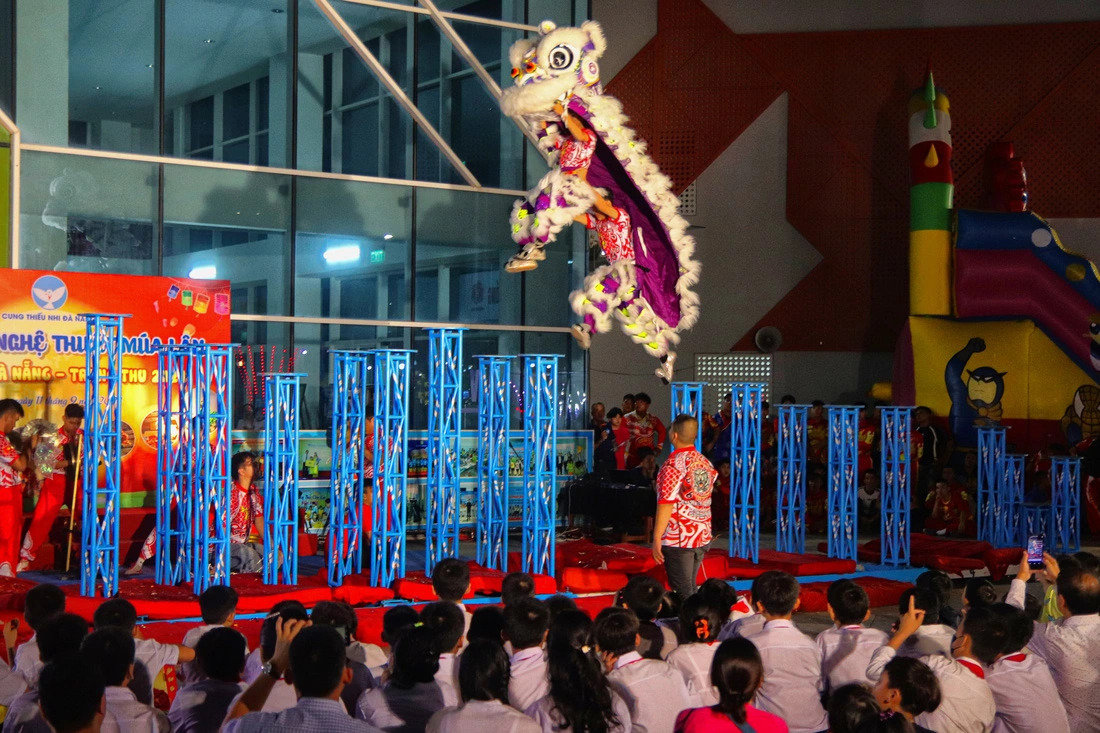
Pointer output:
x,y
11,529
49,504
148,549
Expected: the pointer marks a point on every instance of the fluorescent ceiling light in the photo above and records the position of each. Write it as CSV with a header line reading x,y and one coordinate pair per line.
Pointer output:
x,y
387,237
203,272
341,253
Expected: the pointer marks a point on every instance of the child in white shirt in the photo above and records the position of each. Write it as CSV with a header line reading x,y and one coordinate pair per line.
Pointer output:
x,y
446,621
847,647
43,602
700,622
932,637
218,605
150,656
112,650
526,623
451,582
1025,693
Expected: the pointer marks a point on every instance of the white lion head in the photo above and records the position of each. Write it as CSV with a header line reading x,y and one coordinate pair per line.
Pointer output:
x,y
552,66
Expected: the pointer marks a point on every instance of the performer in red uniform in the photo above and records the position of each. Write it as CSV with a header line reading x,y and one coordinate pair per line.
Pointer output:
x,y
949,507
246,517
646,430
57,489
13,463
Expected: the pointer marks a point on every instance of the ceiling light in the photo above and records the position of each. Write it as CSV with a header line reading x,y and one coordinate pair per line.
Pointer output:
x,y
341,253
203,272
278,11
387,237
209,40
148,66
98,88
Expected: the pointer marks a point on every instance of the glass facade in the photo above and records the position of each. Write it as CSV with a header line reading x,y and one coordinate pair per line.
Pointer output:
x,y
248,141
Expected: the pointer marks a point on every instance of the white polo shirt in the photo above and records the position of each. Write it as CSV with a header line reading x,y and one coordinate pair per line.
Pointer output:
x,y
530,679
126,715
694,660
966,704
927,640
653,691
792,684
1026,696
845,653
481,715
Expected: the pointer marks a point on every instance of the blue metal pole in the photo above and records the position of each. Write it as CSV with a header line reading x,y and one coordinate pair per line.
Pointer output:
x,y
843,484
444,438
1010,502
991,472
540,450
102,446
210,497
391,447
493,415
175,461
346,489
745,475
790,535
1065,484
687,399
894,491
281,400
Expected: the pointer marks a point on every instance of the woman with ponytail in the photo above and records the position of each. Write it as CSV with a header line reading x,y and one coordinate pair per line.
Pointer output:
x,y
700,621
580,700
737,672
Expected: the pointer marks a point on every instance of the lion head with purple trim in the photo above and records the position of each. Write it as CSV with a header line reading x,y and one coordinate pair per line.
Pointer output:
x,y
552,67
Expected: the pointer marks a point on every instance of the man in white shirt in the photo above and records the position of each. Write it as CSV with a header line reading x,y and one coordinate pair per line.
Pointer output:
x,y
72,699
43,602
966,704
112,650
218,605
526,623
1023,689
653,690
792,683
1070,646
932,637
846,648
150,656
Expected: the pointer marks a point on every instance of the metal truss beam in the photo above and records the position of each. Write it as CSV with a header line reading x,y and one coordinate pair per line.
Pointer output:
x,y
494,410
687,399
391,443
843,483
540,466
281,400
745,453
991,476
210,495
1065,504
790,510
346,489
176,460
894,484
444,438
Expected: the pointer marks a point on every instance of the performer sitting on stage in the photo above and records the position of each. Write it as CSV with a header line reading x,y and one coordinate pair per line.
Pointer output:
x,y
950,510
57,489
246,517
12,464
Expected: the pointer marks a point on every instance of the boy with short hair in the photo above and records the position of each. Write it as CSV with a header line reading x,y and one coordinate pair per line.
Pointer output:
x,y
281,695
71,696
218,605
526,623
931,637
847,647
150,656
643,595
516,586
112,650
445,619
966,704
43,602
939,583
58,638
451,582
909,688
341,616
202,705
1025,693
792,685
979,592
395,622
653,690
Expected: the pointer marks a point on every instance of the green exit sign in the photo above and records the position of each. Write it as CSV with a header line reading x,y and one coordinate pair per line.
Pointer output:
x,y
377,255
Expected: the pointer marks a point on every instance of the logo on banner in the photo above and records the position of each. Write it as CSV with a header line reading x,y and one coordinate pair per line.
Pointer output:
x,y
49,292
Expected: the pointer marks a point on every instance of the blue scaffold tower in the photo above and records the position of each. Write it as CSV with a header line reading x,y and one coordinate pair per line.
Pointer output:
x,y
991,476
894,484
350,405
210,494
494,408
687,399
103,447
745,476
843,483
790,534
391,442
540,465
281,402
1065,504
1010,502
176,460
444,437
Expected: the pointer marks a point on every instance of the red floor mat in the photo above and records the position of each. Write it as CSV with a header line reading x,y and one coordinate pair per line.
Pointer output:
x,y
483,581
882,592
793,563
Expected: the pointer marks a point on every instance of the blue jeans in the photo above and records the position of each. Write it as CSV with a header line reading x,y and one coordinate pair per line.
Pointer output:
x,y
682,565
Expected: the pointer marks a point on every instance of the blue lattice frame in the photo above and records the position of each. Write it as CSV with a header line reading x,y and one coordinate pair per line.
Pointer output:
x,y
540,450
493,415
176,461
444,438
745,471
391,440
210,493
281,403
1065,484
843,482
790,534
687,399
346,489
894,484
1010,502
991,476
102,446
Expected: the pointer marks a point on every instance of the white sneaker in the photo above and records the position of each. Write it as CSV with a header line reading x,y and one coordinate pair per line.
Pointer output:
x,y
582,334
22,566
666,371
518,263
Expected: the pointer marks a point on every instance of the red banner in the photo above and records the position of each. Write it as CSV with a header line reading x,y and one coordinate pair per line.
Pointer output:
x,y
42,348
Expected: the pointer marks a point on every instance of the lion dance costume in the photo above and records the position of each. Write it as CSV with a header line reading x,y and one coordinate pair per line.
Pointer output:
x,y
601,176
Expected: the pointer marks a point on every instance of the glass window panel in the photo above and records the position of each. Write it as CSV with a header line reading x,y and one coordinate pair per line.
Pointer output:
x,y
397,155
263,100
359,83
201,115
261,149
427,49
236,152
360,148
87,214
263,347
245,216
352,241
547,288
219,49
572,377
428,157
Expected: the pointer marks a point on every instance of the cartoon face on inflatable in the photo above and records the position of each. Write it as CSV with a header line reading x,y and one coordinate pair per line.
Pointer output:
x,y
552,67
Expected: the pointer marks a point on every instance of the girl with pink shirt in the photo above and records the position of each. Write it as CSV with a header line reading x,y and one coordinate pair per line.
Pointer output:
x,y
737,672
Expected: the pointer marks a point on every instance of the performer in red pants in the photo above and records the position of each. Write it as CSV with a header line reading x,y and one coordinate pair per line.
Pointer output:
x,y
12,464
56,490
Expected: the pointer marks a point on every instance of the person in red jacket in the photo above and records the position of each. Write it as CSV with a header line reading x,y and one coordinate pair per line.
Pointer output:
x,y
949,509
57,489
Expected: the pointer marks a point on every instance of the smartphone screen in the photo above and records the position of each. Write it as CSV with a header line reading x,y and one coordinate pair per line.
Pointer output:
x,y
1035,550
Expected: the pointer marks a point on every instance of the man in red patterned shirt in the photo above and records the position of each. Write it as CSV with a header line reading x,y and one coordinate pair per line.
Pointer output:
x,y
246,517
646,430
682,529
12,464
